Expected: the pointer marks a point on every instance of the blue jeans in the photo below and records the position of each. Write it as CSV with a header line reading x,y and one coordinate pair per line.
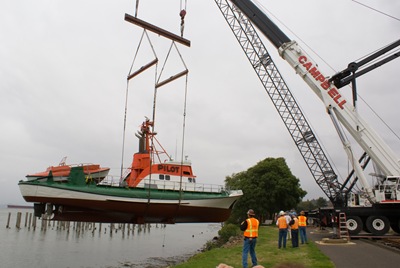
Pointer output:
x,y
282,237
249,244
295,238
303,234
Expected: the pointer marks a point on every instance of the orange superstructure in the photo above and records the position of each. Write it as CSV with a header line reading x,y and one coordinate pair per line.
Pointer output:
x,y
147,162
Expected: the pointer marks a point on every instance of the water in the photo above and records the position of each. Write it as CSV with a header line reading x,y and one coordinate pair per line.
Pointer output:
x,y
154,247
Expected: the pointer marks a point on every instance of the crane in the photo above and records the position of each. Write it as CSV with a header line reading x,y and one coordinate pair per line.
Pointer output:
x,y
377,206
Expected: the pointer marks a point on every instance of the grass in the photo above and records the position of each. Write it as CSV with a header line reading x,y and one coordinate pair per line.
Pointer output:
x,y
268,254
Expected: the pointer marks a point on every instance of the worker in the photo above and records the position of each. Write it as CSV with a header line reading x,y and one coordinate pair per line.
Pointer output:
x,y
294,229
250,228
288,219
282,224
302,227
334,225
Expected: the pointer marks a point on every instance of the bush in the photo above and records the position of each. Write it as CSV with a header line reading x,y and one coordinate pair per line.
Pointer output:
x,y
227,231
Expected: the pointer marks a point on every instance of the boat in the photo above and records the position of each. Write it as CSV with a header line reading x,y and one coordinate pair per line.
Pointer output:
x,y
152,192
61,172
154,189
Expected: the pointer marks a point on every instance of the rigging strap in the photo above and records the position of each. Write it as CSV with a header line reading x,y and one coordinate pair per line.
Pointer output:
x,y
137,7
126,93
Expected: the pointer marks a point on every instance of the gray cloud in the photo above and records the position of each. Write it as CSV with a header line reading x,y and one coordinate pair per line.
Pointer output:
x,y
63,68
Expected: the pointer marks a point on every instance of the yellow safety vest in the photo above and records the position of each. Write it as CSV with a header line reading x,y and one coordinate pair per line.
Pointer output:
x,y
252,228
282,223
302,221
295,225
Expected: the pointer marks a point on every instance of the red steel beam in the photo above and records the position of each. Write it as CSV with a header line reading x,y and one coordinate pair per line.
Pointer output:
x,y
157,30
142,69
172,78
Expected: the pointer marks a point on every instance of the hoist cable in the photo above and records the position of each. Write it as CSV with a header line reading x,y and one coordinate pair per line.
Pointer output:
x,y
126,107
180,56
182,5
269,12
380,118
183,130
156,82
144,33
165,62
173,44
390,16
137,7
365,102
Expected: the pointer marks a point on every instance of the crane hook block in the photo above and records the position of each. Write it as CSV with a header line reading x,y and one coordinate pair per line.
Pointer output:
x,y
182,14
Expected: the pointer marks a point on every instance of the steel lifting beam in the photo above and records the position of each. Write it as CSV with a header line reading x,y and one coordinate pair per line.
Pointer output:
x,y
157,30
172,78
142,69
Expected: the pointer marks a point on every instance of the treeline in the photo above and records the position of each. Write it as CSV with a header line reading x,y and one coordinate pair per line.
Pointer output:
x,y
313,204
269,187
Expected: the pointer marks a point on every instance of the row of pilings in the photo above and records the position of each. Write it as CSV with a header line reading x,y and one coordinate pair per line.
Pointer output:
x,y
29,221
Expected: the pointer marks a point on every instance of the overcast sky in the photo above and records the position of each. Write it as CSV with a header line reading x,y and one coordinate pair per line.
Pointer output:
x,y
63,69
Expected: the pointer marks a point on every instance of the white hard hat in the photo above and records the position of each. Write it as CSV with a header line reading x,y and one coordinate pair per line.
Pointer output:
x,y
281,213
251,212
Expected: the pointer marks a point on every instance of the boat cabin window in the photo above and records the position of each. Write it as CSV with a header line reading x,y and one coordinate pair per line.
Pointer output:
x,y
192,180
164,177
186,172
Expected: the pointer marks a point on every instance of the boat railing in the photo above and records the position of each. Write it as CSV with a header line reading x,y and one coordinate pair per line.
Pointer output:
x,y
168,185
110,180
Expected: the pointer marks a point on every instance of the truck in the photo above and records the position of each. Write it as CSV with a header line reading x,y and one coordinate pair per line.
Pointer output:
x,y
374,205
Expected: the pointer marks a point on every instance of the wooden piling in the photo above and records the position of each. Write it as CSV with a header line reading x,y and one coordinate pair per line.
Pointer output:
x,y
79,227
26,219
8,220
34,223
43,223
18,222
30,221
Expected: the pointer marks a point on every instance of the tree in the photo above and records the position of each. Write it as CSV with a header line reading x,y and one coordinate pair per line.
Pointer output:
x,y
313,204
267,187
321,202
306,205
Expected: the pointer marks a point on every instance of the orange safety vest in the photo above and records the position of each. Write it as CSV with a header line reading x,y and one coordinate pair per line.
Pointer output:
x,y
252,228
302,221
282,223
295,225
